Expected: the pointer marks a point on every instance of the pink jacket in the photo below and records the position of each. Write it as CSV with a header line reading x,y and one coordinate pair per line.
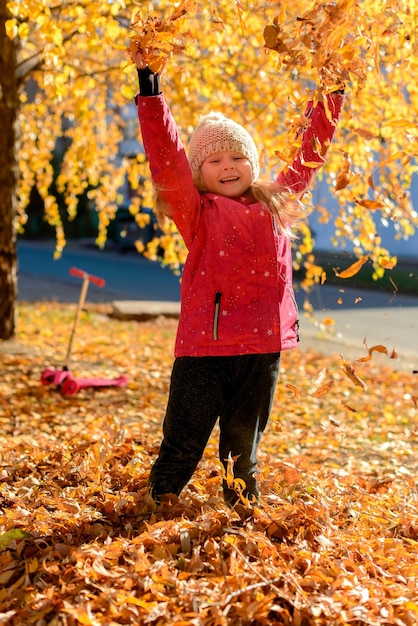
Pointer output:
x,y
236,291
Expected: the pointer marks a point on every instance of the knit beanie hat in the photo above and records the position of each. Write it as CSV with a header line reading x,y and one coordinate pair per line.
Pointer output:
x,y
217,133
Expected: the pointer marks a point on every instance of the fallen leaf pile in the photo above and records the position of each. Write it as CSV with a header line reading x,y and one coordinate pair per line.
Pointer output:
x,y
333,541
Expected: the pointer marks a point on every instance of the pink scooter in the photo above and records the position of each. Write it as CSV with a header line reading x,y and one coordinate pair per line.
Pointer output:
x,y
63,378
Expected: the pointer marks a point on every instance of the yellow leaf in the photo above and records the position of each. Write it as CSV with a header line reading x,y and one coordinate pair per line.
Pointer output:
x,y
401,123
24,30
400,154
388,262
11,28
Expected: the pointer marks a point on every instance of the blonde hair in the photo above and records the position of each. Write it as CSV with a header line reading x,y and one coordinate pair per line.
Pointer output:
x,y
161,210
285,207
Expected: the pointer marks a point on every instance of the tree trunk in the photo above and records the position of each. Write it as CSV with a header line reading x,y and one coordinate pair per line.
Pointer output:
x,y
9,104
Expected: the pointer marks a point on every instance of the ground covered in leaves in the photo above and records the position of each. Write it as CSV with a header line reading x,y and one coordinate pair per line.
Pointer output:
x,y
334,540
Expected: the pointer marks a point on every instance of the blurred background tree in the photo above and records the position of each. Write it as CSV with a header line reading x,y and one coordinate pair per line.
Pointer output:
x,y
66,82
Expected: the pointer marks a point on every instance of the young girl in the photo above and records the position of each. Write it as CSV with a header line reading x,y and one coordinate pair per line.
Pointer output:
x,y
238,310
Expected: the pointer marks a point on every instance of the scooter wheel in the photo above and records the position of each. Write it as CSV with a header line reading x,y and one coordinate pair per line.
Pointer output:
x,y
70,387
48,376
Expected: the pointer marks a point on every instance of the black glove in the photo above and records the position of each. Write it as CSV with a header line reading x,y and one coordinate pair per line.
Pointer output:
x,y
149,83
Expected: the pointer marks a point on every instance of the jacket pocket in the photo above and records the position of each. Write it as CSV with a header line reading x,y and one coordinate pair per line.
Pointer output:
x,y
217,307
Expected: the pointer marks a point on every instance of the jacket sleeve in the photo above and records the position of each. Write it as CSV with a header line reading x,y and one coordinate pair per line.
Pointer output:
x,y
315,141
170,169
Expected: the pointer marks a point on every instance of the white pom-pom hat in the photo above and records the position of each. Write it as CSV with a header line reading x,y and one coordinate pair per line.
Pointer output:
x,y
217,133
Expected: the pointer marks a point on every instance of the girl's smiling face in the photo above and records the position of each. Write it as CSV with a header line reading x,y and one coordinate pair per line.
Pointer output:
x,y
227,173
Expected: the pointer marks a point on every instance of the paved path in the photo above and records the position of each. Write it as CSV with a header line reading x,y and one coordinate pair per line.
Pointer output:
x,y
127,276
343,319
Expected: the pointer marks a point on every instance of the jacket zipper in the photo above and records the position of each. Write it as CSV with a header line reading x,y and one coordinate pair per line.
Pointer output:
x,y
218,295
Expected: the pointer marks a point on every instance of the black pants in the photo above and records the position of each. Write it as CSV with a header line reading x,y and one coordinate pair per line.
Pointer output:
x,y
239,391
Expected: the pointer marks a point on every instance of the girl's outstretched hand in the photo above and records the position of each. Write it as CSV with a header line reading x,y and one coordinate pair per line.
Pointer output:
x,y
138,58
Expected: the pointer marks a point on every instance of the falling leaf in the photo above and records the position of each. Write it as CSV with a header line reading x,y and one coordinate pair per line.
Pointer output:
x,y
349,371
378,348
350,408
342,181
366,134
294,389
343,177
353,269
323,390
363,359
372,205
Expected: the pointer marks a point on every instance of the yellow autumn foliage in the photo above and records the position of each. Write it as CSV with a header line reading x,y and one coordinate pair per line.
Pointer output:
x,y
258,62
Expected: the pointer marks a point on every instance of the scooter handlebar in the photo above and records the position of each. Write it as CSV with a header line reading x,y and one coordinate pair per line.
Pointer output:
x,y
74,271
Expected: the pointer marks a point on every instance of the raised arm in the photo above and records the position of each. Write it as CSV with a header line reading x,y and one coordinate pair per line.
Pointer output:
x,y
170,169
315,141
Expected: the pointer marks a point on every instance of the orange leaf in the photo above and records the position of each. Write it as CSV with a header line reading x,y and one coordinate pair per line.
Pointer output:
x,y
353,269
295,390
343,177
366,134
349,371
291,475
363,359
377,348
388,263
323,390
342,181
370,204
